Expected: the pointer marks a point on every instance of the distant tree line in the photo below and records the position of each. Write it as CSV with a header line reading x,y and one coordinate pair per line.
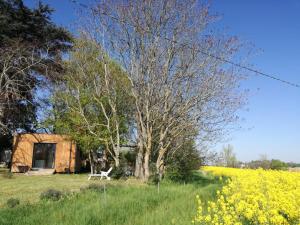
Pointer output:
x,y
227,158
292,164
273,164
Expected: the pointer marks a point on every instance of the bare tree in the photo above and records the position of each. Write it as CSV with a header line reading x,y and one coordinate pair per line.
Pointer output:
x,y
228,157
166,49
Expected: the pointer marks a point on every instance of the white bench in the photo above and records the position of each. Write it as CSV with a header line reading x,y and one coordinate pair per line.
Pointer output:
x,y
101,174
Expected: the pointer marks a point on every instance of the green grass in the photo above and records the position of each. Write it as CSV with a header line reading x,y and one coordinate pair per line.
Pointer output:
x,y
29,188
128,203
3,170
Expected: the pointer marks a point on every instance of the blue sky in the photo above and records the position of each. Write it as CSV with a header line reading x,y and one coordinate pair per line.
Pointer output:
x,y
272,124
271,120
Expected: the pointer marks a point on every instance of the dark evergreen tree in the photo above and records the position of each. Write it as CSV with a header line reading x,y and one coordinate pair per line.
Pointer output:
x,y
31,50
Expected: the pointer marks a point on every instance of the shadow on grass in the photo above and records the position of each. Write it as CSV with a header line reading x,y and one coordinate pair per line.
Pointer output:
x,y
197,178
200,179
3,170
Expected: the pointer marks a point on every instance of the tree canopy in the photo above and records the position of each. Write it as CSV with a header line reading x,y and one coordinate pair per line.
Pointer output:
x,y
178,91
31,48
91,102
137,66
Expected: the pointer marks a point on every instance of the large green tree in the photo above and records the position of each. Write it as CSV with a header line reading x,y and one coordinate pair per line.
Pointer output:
x,y
31,48
91,103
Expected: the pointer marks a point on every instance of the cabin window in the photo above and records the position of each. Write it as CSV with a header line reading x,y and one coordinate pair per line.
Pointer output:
x,y
44,155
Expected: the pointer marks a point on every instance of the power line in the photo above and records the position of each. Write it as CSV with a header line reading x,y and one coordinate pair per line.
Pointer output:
x,y
78,3
257,72
251,70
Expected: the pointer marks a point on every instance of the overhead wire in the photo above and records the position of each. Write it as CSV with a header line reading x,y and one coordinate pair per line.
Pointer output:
x,y
257,72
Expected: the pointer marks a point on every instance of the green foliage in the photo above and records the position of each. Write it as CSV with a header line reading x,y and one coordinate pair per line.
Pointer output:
x,y
127,161
293,164
182,163
266,164
31,25
51,194
118,172
82,104
278,165
129,158
255,164
12,202
154,179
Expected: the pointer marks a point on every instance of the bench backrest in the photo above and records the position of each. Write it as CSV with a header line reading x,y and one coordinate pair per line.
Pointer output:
x,y
110,169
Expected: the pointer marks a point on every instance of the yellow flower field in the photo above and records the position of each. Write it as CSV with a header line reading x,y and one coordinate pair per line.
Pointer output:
x,y
253,197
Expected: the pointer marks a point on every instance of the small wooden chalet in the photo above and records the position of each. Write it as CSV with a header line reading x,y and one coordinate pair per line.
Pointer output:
x,y
44,152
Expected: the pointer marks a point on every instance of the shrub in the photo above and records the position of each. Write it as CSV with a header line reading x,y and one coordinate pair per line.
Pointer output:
x,y
153,179
8,175
127,161
129,158
117,173
180,169
96,187
12,202
278,165
51,194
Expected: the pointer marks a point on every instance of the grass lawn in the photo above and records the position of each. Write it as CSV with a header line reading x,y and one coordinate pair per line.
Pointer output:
x,y
3,170
123,202
29,188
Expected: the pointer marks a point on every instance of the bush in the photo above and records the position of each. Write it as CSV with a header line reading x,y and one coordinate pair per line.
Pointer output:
x,y
96,187
153,179
8,175
129,158
278,165
12,202
180,169
51,194
118,173
127,161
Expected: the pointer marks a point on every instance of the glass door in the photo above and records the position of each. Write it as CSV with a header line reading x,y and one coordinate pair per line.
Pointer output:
x,y
43,155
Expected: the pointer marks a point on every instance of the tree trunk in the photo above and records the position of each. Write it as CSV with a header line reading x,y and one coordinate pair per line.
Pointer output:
x,y
117,161
160,167
139,171
2,126
139,162
1,111
91,162
146,166
104,159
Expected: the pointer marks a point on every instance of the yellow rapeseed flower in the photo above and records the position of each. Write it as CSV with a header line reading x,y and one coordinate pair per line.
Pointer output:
x,y
253,197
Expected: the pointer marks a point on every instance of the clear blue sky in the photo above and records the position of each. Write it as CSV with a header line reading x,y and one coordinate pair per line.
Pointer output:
x,y
272,122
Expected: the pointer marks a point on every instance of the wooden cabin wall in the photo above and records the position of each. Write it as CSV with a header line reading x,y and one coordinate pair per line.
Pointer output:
x,y
65,154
